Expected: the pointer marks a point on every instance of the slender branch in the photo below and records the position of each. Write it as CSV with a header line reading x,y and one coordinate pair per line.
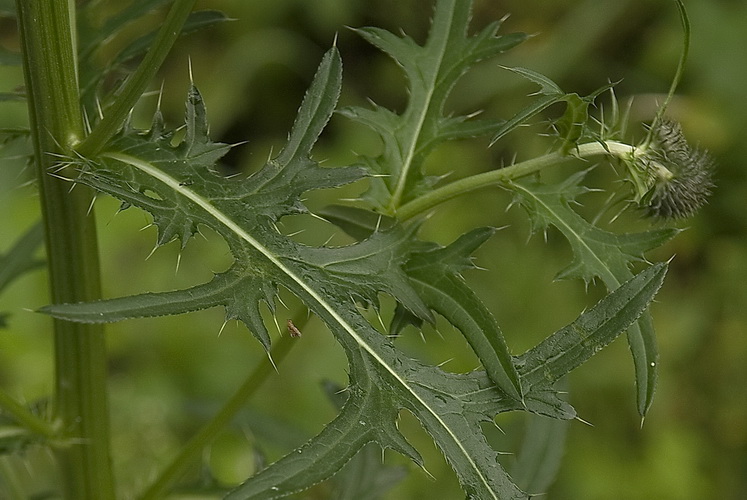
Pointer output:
x,y
24,417
685,20
503,175
133,88
204,436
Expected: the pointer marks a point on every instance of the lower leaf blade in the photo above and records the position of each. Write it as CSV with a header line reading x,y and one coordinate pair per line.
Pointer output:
x,y
599,254
572,345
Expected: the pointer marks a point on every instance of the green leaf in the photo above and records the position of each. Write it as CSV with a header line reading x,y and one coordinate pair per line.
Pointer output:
x,y
367,416
180,186
549,93
20,259
535,107
436,276
547,86
599,254
571,126
572,345
432,71
137,164
118,105
356,222
365,476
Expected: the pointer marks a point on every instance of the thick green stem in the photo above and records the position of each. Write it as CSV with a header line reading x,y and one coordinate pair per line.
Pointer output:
x,y
81,408
503,175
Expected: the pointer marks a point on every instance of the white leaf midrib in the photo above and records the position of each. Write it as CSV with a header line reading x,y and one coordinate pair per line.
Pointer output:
x,y
224,219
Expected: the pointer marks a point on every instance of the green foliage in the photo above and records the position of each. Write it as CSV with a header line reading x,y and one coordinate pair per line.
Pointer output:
x,y
97,27
20,259
432,71
175,175
598,253
571,126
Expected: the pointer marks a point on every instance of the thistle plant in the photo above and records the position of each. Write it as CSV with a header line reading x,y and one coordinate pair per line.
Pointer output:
x,y
86,145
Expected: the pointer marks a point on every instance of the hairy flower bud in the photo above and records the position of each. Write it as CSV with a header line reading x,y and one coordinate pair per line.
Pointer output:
x,y
679,176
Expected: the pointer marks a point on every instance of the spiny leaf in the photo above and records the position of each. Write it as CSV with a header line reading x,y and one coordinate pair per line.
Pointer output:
x,y
547,86
535,107
180,187
367,416
435,275
451,407
571,126
432,71
572,345
549,93
573,122
365,476
599,254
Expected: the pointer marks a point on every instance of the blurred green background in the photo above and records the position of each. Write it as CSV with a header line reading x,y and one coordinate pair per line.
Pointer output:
x,y
169,375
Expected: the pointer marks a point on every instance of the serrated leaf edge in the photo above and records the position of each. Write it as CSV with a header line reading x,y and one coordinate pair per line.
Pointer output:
x,y
172,183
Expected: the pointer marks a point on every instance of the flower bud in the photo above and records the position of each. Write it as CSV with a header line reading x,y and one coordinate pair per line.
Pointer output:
x,y
678,177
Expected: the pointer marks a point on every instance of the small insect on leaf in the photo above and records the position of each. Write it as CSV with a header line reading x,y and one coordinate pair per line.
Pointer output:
x,y
293,330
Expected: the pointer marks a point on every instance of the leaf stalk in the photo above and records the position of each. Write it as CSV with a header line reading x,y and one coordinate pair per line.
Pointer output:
x,y
501,176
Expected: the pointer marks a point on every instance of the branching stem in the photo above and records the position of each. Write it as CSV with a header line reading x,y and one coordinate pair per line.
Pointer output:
x,y
507,174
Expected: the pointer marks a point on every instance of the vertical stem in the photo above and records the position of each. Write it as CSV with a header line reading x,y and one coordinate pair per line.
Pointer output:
x,y
459,187
50,72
